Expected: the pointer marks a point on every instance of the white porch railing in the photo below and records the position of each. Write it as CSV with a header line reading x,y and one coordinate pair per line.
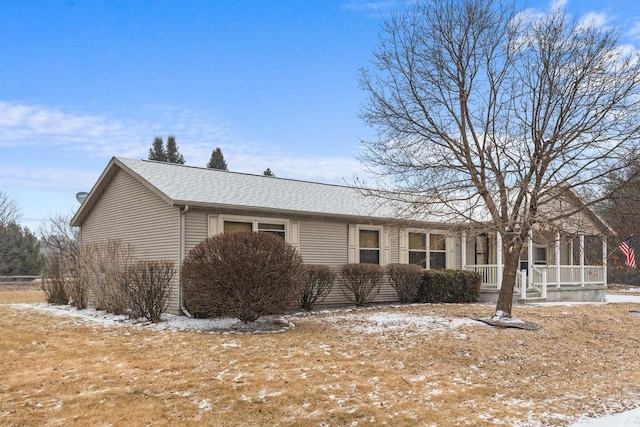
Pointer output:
x,y
488,272
569,275
539,280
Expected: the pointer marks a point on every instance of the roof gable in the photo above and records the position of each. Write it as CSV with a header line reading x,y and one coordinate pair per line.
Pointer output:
x,y
187,185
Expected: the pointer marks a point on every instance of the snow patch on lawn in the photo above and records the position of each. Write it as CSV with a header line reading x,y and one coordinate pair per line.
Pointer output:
x,y
169,322
374,323
365,321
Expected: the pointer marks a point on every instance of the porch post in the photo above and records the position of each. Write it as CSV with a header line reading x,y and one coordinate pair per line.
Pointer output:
x,y
571,255
499,259
604,260
557,250
582,260
463,249
529,258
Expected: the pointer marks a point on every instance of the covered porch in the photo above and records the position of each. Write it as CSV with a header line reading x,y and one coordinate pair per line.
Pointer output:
x,y
552,268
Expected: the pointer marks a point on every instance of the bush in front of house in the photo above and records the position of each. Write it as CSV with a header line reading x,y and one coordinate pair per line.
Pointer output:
x,y
405,279
450,286
243,275
53,280
147,286
318,284
100,267
77,288
361,282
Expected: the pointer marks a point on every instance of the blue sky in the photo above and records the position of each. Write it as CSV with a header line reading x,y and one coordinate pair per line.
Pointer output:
x,y
273,83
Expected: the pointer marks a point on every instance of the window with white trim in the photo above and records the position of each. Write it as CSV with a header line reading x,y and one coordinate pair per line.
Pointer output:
x,y
369,247
428,250
233,224
540,255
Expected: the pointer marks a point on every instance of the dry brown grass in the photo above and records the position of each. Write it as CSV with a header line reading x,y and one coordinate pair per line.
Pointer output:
x,y
584,360
21,292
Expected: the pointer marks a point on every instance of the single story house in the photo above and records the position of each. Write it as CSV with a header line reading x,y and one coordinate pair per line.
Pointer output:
x,y
163,210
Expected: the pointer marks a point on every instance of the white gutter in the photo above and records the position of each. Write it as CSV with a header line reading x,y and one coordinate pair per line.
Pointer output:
x,y
184,210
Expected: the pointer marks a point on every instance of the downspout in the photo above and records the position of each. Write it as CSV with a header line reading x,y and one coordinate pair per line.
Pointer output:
x,y
184,210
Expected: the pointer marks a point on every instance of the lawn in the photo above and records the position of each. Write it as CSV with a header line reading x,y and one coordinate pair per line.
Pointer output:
x,y
413,365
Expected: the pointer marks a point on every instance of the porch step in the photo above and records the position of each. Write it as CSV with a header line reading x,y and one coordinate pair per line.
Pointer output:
x,y
533,296
531,300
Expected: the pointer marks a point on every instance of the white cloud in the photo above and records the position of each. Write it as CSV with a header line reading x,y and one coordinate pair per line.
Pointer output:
x,y
40,126
593,19
369,6
335,170
634,33
65,178
558,4
88,139
30,124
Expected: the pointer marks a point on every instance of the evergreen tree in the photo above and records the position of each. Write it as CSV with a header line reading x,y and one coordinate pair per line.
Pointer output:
x,y
156,152
268,172
173,155
19,251
217,160
622,213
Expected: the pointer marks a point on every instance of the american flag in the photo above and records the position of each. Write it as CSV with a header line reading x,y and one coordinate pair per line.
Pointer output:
x,y
628,252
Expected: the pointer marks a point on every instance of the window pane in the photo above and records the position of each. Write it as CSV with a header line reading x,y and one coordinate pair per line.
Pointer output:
x,y
277,229
438,260
231,227
418,258
369,239
277,233
541,255
369,256
265,226
418,241
437,242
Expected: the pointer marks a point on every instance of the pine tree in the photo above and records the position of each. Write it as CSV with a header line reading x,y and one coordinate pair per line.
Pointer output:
x,y
19,251
217,160
268,172
173,155
156,152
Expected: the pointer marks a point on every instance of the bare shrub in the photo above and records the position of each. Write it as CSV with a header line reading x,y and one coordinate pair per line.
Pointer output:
x,y
101,264
61,239
53,280
405,279
244,275
362,282
147,285
318,284
77,288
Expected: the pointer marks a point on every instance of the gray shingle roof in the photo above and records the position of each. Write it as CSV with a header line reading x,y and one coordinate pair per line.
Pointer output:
x,y
201,186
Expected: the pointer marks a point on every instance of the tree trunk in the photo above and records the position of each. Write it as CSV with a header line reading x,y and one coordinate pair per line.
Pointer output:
x,y
511,262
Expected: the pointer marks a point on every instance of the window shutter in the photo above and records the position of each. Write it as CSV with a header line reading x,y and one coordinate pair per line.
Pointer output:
x,y
352,257
386,245
213,225
451,252
294,235
403,255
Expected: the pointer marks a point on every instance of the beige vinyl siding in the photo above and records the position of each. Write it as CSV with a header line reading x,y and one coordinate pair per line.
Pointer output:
x,y
195,228
323,242
129,211
326,242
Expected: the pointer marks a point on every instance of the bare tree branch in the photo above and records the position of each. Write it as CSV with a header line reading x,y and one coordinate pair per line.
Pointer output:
x,y
492,116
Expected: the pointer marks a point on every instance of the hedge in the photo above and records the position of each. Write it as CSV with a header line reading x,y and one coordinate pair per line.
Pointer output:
x,y
450,286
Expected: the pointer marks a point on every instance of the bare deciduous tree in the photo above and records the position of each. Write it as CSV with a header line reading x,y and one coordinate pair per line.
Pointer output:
x,y
61,257
9,210
488,115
